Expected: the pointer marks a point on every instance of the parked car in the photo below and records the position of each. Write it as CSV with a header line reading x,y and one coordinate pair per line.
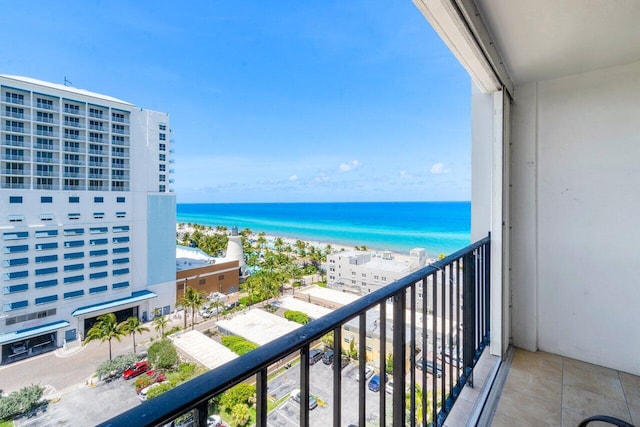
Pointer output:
x,y
428,366
295,395
344,361
327,359
214,421
368,371
143,393
158,376
374,383
137,369
389,387
231,305
315,355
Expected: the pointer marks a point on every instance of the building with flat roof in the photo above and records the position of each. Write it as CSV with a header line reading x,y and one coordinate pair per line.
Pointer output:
x,y
87,216
362,272
202,272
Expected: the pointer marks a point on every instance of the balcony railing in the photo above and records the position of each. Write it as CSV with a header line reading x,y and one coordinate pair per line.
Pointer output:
x,y
456,293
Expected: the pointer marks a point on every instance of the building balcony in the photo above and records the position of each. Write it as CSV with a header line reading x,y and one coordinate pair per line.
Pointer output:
x,y
49,147
14,129
98,116
119,166
98,152
98,128
14,185
20,172
14,157
122,155
15,101
10,143
73,111
120,177
45,173
120,132
72,124
73,137
73,175
98,164
385,322
98,140
98,176
114,188
73,162
120,120
70,149
45,186
15,115
74,187
45,106
45,160
47,133
120,143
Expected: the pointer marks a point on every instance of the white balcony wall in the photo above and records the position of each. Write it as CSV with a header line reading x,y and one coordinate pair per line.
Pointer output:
x,y
574,207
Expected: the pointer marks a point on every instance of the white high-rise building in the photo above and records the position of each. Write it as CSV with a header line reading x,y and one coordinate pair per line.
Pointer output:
x,y
87,217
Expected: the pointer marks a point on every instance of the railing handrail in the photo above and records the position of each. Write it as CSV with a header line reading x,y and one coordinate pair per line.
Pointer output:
x,y
199,390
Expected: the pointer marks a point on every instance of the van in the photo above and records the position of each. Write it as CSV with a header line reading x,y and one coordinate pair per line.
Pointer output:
x,y
327,359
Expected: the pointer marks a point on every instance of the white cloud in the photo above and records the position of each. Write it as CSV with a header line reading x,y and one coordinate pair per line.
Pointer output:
x,y
293,178
405,175
438,168
346,167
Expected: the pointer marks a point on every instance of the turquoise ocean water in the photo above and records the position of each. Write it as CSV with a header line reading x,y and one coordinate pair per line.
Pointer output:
x,y
439,227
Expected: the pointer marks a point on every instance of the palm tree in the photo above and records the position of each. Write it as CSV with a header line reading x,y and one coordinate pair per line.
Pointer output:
x,y
194,300
105,329
133,326
160,323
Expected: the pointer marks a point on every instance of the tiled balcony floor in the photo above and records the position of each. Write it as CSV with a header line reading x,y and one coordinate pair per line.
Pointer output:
x,y
544,389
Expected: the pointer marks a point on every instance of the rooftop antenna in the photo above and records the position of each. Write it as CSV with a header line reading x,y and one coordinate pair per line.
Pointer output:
x,y
67,82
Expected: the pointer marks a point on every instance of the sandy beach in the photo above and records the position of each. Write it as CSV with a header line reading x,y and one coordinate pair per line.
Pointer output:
x,y
288,240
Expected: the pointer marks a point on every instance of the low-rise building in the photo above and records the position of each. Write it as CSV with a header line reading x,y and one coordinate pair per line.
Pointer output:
x,y
362,272
205,273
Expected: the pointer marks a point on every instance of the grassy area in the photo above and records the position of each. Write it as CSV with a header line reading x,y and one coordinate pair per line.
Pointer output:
x,y
6,423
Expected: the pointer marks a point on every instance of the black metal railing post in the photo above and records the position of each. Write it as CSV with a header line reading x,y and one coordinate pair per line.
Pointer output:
x,y
261,398
337,376
399,357
468,312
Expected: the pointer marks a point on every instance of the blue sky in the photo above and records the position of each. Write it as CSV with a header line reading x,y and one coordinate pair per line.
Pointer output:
x,y
282,101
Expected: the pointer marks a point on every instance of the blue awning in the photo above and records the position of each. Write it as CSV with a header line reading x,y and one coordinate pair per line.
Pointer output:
x,y
32,332
135,297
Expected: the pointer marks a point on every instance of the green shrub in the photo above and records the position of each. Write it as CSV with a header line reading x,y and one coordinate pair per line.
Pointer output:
x,y
296,316
117,365
162,354
20,402
238,345
242,394
157,391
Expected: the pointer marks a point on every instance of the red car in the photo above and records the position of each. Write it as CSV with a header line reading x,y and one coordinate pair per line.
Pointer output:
x,y
159,376
136,370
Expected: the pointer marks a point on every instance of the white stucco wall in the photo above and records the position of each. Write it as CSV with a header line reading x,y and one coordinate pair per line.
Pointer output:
x,y
574,207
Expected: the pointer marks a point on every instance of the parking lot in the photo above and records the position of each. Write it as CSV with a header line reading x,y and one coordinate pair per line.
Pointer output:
x,y
85,406
321,386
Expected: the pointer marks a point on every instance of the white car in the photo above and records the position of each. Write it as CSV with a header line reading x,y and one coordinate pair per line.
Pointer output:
x,y
143,393
214,421
389,387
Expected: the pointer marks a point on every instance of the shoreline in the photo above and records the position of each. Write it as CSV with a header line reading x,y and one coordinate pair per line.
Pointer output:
x,y
289,240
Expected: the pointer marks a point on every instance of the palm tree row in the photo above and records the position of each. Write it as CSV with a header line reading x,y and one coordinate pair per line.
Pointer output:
x,y
107,328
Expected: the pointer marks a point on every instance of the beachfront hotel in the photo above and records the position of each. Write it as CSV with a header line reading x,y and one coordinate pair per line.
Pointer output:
x,y
87,215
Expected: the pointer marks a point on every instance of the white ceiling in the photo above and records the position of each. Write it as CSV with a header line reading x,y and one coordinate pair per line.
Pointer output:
x,y
545,39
